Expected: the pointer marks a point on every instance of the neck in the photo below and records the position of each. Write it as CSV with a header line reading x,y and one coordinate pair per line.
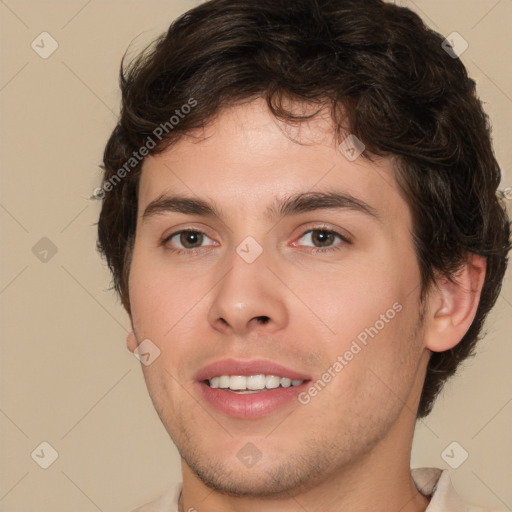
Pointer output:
x,y
379,480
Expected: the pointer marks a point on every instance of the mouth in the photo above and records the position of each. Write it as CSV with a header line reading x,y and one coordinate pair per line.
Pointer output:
x,y
250,389
251,383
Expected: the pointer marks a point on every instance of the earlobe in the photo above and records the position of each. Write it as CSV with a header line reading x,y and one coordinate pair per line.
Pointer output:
x,y
131,341
453,304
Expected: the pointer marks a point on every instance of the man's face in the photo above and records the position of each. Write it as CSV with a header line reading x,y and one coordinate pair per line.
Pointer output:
x,y
328,297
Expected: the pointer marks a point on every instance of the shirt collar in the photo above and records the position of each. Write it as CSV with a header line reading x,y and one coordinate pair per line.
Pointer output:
x,y
435,483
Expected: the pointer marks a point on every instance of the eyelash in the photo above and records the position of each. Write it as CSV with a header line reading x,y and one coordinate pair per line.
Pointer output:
x,y
314,250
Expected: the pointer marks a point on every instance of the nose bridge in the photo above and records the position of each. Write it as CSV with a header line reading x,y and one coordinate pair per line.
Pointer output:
x,y
248,294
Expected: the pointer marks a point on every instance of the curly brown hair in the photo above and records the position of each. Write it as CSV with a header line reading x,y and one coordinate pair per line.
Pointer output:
x,y
385,78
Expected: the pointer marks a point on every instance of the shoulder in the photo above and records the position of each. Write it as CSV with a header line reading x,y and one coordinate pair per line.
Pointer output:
x,y
436,484
167,502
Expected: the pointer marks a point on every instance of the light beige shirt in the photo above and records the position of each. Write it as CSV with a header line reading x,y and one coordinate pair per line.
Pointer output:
x,y
432,482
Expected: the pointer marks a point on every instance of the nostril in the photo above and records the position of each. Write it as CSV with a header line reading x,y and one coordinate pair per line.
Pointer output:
x,y
263,319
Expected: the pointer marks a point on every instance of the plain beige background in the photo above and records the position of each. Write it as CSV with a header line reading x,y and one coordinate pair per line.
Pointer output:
x,y
66,376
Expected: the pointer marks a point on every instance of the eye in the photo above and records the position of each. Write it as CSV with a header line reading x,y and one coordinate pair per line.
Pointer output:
x,y
322,239
185,240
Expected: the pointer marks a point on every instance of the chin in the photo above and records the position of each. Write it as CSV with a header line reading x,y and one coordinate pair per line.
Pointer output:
x,y
249,482
273,477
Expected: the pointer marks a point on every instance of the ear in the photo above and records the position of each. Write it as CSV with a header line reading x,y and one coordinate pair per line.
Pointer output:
x,y
131,340
452,305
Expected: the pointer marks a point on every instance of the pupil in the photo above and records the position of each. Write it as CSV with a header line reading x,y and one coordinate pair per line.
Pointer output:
x,y
189,238
324,237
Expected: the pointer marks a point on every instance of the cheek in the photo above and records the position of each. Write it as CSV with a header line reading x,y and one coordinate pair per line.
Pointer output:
x,y
371,309
355,297
375,369
160,295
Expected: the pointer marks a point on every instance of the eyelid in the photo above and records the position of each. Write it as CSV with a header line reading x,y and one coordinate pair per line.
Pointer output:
x,y
346,236
166,238
169,233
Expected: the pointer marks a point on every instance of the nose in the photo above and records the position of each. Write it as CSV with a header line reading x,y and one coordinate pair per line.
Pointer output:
x,y
249,298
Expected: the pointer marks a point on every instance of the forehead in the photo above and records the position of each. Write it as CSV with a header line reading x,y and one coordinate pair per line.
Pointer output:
x,y
245,157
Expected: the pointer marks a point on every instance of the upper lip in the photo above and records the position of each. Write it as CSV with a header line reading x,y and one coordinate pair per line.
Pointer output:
x,y
246,368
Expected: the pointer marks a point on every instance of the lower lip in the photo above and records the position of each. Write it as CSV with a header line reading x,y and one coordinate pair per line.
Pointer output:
x,y
251,405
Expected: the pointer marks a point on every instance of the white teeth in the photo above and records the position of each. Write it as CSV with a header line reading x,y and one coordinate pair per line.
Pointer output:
x,y
256,382
237,382
252,382
285,382
272,382
224,381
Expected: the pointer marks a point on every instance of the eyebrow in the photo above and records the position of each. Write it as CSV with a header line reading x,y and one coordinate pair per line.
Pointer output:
x,y
281,207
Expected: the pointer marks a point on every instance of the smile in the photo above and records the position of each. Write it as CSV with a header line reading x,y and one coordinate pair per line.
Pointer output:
x,y
249,389
252,383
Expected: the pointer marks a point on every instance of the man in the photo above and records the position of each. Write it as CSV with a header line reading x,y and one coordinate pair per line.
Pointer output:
x,y
302,221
